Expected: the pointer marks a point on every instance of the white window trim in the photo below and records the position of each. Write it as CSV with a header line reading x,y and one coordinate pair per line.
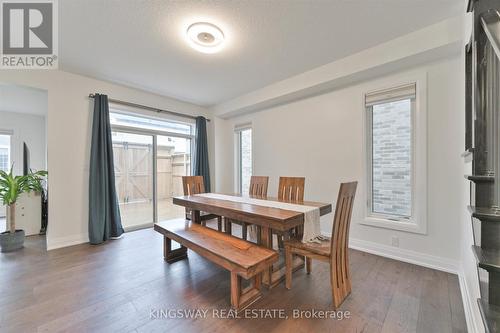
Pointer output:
x,y
237,154
418,222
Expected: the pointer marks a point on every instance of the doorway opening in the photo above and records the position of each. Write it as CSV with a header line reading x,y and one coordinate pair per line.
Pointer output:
x,y
23,148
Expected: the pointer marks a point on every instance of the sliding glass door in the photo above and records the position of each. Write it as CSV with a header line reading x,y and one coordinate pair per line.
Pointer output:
x,y
151,156
173,161
133,157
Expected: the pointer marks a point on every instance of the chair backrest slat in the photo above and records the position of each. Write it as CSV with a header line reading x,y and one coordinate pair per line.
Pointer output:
x,y
193,185
258,186
291,188
340,230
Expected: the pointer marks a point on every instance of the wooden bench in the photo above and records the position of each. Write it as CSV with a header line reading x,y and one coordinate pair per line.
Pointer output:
x,y
243,259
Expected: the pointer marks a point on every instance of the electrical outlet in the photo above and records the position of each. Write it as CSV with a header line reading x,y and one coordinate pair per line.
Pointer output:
x,y
395,241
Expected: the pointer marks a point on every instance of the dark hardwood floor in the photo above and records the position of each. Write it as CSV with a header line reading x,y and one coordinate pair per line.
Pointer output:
x,y
118,286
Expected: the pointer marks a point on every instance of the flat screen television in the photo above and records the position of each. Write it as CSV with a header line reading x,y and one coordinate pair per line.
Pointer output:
x,y
26,159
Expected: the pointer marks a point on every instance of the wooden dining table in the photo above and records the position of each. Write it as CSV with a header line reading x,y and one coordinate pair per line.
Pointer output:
x,y
267,218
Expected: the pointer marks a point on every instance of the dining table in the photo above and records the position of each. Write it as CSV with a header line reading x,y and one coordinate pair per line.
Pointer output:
x,y
265,217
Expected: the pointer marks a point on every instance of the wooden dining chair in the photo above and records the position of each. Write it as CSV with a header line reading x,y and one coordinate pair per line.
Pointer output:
x,y
258,188
195,185
333,251
290,189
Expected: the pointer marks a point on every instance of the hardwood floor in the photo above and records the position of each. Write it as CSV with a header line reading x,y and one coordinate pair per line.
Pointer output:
x,y
118,286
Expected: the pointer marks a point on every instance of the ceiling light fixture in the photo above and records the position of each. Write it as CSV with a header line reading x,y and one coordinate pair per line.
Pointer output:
x,y
205,37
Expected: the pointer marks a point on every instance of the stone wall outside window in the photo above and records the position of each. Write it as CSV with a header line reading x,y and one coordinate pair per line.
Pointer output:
x,y
391,159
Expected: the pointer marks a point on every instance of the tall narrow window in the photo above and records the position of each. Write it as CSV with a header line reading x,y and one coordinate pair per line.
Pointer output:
x,y
5,164
391,161
4,152
244,158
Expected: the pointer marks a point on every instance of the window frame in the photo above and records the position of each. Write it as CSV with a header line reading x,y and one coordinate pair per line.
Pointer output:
x,y
238,181
417,223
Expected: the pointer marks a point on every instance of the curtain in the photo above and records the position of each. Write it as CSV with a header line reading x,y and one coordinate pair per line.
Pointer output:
x,y
200,165
104,212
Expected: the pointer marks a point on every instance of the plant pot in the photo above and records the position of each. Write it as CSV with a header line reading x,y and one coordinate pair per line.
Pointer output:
x,y
11,241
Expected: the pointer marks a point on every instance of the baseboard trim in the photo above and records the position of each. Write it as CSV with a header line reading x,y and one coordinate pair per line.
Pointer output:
x,y
409,256
57,243
138,227
61,242
474,324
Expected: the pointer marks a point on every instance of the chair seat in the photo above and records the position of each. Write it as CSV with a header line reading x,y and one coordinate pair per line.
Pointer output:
x,y
322,248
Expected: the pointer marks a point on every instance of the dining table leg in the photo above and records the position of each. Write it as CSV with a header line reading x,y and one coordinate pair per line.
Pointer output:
x,y
276,273
196,216
266,240
228,226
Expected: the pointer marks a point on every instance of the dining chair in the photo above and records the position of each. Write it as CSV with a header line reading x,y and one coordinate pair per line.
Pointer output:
x,y
290,189
257,188
333,250
195,185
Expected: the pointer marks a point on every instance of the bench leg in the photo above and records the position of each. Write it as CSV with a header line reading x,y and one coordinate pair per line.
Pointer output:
x,y
235,290
240,299
170,255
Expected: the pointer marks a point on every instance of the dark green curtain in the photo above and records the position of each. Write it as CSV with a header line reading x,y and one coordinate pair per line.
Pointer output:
x,y
200,165
104,212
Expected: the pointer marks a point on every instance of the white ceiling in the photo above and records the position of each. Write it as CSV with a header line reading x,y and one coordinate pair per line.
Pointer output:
x,y
140,43
20,99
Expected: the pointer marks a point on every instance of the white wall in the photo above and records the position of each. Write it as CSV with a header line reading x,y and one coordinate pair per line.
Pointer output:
x,y
26,128
427,44
68,142
321,138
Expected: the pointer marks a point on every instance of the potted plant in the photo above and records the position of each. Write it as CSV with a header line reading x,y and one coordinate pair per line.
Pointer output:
x,y
11,187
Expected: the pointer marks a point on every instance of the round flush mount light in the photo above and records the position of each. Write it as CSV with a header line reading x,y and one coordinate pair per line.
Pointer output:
x,y
205,37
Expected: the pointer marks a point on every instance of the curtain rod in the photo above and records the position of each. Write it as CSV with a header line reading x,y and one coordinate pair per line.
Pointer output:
x,y
149,108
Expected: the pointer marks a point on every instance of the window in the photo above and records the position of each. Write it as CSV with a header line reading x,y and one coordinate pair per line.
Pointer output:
x,y
243,158
5,163
136,121
394,159
4,152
